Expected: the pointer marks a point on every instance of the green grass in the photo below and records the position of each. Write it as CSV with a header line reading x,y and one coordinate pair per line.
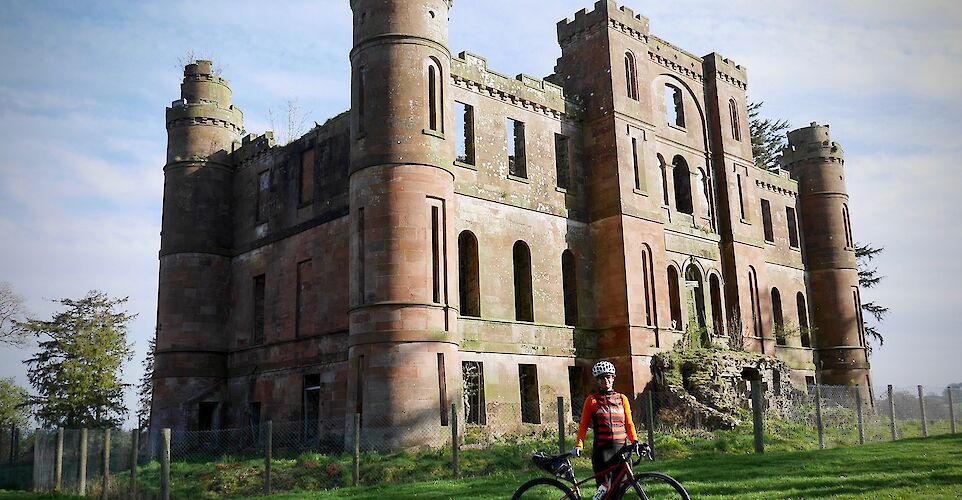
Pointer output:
x,y
913,468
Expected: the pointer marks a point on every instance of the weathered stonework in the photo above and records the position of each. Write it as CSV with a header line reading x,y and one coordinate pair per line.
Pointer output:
x,y
367,265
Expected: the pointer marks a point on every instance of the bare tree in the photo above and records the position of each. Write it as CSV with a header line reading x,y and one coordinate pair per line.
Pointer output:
x,y
12,314
294,122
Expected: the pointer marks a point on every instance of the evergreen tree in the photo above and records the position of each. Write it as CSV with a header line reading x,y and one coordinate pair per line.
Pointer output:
x,y
77,369
145,389
11,315
768,137
14,408
868,277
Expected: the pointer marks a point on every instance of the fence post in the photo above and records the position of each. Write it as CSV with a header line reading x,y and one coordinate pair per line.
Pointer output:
x,y
355,463
858,414
895,434
455,464
951,411
36,460
165,464
106,477
268,457
757,415
818,417
561,424
58,464
82,480
925,429
134,449
650,420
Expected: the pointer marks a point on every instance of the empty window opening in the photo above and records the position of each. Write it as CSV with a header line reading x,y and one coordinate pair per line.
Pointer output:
x,y
767,221
792,227
442,390
646,275
361,250
208,416
576,391
306,181
674,105
472,376
517,165
682,178
705,184
435,97
664,180
741,197
464,129
569,278
435,254
263,188
756,306
303,324
804,330
636,169
778,322
561,160
674,297
849,243
736,127
257,329
254,418
469,274
530,403
631,76
311,404
696,284
523,300
718,321
859,322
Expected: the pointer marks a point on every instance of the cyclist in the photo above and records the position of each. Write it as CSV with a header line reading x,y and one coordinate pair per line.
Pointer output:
x,y
609,415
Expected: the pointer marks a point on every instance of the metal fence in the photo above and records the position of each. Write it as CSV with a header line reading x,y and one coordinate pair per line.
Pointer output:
x,y
292,456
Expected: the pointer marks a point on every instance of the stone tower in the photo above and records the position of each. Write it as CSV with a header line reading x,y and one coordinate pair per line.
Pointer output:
x,y
403,345
195,253
817,164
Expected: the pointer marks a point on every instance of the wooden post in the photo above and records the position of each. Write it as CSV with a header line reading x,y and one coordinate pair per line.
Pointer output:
x,y
82,480
355,463
134,453
925,429
951,411
818,417
650,420
561,425
858,413
455,463
895,434
58,465
105,489
268,457
757,416
165,464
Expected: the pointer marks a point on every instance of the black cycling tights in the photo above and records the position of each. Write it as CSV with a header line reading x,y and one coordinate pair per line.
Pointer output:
x,y
603,456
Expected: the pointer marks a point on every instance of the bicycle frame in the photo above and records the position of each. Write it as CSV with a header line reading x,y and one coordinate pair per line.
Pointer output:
x,y
624,474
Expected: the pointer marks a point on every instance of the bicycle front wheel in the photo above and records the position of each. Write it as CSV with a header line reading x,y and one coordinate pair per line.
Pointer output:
x,y
543,488
657,486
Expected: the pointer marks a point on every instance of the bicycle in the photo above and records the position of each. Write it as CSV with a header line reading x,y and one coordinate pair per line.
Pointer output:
x,y
623,484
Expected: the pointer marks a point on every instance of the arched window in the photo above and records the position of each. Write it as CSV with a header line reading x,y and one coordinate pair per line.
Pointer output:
x,y
682,184
674,297
651,312
435,96
694,279
733,111
778,322
848,227
804,329
716,306
523,300
631,75
469,274
569,283
674,105
664,179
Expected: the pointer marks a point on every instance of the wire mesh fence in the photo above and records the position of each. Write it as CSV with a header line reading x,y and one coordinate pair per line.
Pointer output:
x,y
460,440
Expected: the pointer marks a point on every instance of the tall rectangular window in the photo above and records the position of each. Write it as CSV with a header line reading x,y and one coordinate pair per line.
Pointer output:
x,y
254,418
517,165
741,198
561,160
530,403
263,187
303,324
792,227
257,331
312,404
767,221
442,390
464,129
472,376
858,316
634,162
306,181
439,279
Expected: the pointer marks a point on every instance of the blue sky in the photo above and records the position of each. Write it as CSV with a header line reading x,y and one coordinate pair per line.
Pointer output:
x,y
84,87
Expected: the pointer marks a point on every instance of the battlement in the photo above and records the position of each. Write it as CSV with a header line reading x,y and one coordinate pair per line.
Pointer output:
x,y
605,13
812,142
253,146
676,59
472,71
727,70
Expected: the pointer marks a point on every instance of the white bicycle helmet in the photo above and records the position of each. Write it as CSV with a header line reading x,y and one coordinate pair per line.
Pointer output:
x,y
602,368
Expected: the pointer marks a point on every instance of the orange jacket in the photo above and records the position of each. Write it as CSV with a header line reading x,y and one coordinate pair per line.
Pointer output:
x,y
594,403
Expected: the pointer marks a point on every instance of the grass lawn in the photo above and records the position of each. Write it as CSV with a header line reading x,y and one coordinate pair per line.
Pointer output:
x,y
915,468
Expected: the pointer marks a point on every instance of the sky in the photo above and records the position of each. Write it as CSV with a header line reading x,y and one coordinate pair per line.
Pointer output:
x,y
85,84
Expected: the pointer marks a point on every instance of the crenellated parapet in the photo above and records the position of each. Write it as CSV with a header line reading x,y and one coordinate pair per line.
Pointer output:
x,y
471,71
252,147
727,70
812,142
675,59
606,14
